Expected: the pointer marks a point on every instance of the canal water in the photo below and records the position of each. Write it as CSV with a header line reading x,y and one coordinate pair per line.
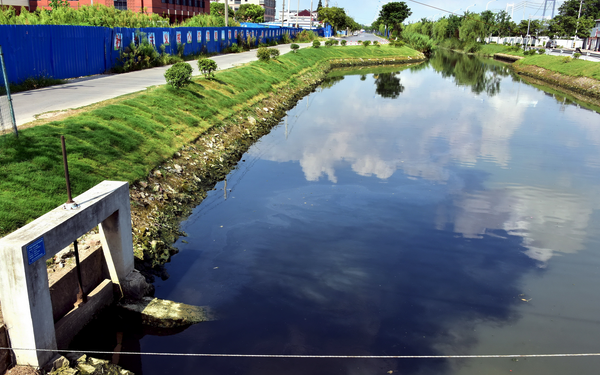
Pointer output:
x,y
438,209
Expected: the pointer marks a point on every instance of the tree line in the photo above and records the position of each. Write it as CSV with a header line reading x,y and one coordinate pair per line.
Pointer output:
x,y
473,26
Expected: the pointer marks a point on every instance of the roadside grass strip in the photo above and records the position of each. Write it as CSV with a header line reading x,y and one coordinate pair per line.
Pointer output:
x,y
126,138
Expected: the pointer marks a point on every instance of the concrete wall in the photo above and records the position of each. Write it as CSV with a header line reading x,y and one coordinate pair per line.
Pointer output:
x,y
64,286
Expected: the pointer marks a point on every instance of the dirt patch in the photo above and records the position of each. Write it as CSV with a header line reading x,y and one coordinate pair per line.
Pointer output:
x,y
588,87
23,370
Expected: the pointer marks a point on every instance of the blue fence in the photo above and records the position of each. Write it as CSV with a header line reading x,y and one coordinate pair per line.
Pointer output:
x,y
62,52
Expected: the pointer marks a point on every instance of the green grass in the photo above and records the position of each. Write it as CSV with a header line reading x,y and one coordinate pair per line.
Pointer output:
x,y
574,68
492,49
126,140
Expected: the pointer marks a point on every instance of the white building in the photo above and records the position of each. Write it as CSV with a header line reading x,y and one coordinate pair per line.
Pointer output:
x,y
304,18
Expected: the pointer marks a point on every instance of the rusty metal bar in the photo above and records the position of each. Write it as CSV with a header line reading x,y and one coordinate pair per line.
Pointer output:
x,y
81,297
64,152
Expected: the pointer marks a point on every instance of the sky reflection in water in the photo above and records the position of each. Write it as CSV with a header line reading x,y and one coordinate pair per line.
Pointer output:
x,y
418,212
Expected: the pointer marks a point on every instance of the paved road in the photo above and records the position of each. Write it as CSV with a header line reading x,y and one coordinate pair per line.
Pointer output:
x,y
363,37
85,91
593,56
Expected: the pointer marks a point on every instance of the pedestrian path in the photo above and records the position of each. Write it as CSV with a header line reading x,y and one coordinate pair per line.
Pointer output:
x,y
89,90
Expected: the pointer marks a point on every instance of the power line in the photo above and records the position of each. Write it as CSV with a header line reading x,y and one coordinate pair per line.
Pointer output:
x,y
308,356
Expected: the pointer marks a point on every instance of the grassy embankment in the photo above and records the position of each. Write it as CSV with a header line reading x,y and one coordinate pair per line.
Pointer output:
x,y
126,138
576,75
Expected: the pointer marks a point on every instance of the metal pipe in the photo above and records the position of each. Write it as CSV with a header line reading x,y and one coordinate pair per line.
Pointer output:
x,y
81,297
64,152
10,106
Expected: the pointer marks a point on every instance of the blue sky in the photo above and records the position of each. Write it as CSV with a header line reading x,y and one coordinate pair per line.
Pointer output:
x,y
366,11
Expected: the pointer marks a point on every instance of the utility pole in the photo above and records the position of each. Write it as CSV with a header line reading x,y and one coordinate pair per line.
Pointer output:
x,y
226,14
288,16
577,26
283,11
298,15
311,23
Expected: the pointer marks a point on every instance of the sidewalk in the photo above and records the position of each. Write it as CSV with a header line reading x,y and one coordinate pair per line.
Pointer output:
x,y
85,91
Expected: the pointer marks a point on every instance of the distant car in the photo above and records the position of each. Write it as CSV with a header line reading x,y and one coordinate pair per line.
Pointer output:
x,y
355,33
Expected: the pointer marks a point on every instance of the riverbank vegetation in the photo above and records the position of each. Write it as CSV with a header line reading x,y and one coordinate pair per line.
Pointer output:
x,y
127,138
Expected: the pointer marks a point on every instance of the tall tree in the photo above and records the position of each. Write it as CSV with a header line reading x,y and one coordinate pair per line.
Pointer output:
x,y
334,16
319,6
219,9
250,13
393,14
472,28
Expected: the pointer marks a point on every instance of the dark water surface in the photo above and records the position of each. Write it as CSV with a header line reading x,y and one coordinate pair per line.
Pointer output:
x,y
441,209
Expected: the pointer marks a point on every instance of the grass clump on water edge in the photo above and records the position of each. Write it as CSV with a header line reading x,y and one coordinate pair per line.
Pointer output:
x,y
126,140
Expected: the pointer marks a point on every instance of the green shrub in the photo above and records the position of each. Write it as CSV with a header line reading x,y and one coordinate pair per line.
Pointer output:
x,y
285,39
305,36
344,42
263,54
316,44
420,42
566,59
541,51
336,42
179,75
576,55
328,43
207,67
359,41
274,53
140,56
376,43
472,47
366,43
294,47
233,48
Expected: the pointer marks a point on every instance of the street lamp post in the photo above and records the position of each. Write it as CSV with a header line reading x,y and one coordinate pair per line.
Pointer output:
x,y
486,6
466,10
577,26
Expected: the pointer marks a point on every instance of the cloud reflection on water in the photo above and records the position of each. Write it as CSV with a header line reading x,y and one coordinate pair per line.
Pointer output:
x,y
455,129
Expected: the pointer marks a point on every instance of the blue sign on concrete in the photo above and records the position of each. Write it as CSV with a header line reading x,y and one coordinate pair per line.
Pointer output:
x,y
36,250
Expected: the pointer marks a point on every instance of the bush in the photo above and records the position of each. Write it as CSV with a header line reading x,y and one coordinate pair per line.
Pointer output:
x,y
576,55
274,53
376,43
420,42
179,75
566,59
344,42
472,47
336,42
306,36
285,39
263,54
366,43
316,44
541,51
294,47
207,67
328,43
140,56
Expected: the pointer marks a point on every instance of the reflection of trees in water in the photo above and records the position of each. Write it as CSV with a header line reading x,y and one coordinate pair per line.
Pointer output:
x,y
363,77
388,85
330,81
480,75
